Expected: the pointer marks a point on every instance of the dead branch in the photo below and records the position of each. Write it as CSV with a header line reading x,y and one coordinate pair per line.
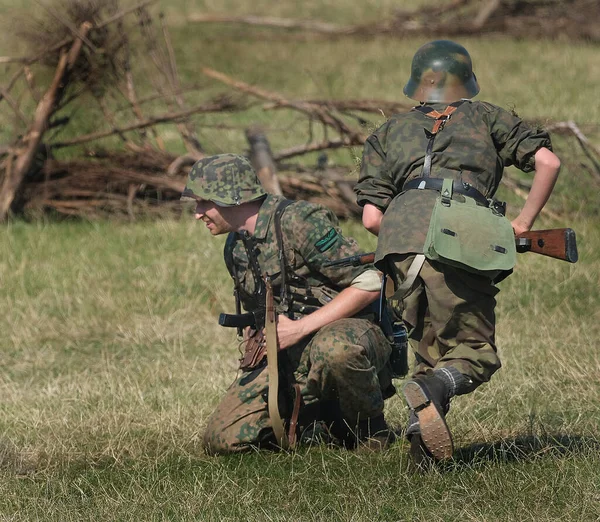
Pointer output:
x,y
383,107
311,109
186,160
11,83
271,21
13,181
588,149
187,132
262,159
485,12
76,32
216,106
124,12
68,41
131,95
14,106
493,16
317,146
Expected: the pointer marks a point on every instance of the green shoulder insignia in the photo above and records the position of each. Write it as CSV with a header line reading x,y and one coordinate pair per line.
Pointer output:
x,y
327,241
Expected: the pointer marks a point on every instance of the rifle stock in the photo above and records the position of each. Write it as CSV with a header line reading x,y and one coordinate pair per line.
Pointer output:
x,y
559,243
357,260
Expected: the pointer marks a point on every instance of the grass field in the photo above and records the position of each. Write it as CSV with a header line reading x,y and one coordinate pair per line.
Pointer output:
x,y
112,359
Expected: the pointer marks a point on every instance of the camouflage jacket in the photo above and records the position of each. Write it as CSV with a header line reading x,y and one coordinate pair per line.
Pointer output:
x,y
311,236
474,146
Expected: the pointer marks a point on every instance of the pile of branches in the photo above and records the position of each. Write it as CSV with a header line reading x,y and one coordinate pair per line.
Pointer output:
x,y
573,19
91,57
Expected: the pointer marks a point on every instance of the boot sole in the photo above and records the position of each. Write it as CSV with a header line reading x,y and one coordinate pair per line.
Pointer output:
x,y
434,431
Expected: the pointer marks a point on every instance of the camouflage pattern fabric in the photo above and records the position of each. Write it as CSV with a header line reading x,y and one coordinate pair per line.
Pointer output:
x,y
474,146
311,236
225,179
340,363
346,362
450,318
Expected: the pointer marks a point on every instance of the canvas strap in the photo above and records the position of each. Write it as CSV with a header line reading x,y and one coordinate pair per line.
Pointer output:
x,y
273,369
440,120
405,287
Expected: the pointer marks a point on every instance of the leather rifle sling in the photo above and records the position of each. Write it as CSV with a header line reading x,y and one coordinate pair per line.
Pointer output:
x,y
273,368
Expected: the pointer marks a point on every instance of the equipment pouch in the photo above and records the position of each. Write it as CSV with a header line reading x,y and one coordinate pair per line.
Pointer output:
x,y
473,237
255,350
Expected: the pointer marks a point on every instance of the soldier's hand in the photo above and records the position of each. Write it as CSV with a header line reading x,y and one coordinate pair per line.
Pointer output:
x,y
289,332
520,226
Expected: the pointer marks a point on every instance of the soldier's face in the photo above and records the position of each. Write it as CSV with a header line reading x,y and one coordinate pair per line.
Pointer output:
x,y
217,219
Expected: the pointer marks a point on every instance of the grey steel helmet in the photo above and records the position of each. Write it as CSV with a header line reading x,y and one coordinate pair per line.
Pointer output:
x,y
441,71
225,179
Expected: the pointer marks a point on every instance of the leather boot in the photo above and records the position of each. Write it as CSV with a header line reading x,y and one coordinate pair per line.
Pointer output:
x,y
374,434
430,400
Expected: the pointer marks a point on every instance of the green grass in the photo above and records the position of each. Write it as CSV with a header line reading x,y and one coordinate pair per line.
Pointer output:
x,y
112,359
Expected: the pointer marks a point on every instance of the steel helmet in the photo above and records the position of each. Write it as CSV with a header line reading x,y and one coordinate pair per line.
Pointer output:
x,y
225,179
441,71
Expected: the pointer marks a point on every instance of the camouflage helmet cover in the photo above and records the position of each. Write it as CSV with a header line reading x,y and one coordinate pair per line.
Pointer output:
x,y
224,179
441,71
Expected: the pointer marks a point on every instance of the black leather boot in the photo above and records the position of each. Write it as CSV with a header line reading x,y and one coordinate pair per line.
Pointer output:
x,y
429,398
374,434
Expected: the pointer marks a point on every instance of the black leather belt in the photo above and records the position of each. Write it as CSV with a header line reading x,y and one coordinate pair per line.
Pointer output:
x,y
457,186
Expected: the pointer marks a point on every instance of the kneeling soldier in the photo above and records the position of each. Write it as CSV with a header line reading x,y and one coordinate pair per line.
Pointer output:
x,y
330,370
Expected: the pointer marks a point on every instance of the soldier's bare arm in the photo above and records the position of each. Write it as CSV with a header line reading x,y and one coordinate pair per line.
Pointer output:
x,y
547,167
347,303
371,218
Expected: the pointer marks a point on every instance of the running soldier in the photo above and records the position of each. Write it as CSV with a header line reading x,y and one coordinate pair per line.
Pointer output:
x,y
426,183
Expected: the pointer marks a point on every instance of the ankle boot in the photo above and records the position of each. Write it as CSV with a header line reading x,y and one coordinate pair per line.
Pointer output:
x,y
429,398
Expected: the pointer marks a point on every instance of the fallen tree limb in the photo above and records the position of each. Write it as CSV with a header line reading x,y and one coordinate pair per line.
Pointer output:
x,y
311,109
272,21
216,106
531,18
588,148
316,146
261,158
13,180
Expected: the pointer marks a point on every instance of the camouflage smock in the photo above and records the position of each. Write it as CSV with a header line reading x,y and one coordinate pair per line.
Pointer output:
x,y
474,146
311,236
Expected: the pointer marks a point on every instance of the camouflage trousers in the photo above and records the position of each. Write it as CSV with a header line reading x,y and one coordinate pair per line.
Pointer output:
x,y
450,318
345,363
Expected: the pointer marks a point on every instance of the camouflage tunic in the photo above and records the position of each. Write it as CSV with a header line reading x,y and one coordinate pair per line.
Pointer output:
x,y
345,363
311,237
474,146
449,312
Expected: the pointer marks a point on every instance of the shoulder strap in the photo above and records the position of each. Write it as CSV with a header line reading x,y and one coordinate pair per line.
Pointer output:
x,y
440,120
285,302
232,238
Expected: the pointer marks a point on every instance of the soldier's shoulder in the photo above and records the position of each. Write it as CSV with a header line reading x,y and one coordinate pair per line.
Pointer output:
x,y
400,117
395,123
302,207
485,106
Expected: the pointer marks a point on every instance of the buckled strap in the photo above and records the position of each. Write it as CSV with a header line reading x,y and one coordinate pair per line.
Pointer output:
x,y
458,187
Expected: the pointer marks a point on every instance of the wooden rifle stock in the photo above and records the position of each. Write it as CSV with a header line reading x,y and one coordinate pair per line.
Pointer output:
x,y
357,260
559,243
